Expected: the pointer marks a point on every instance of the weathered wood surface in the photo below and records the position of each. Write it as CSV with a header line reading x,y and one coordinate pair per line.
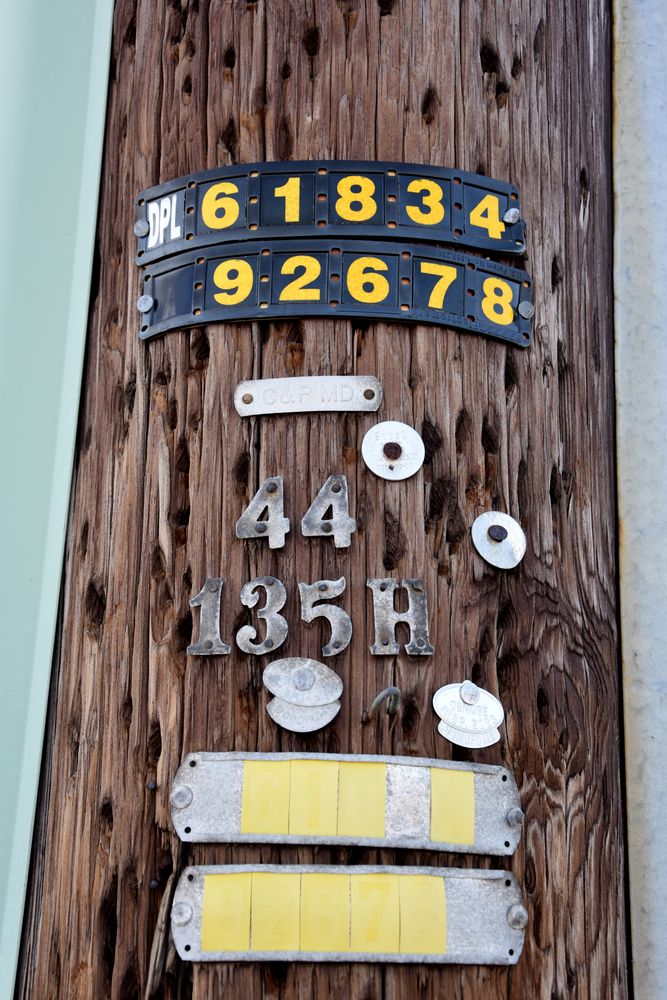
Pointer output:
x,y
165,466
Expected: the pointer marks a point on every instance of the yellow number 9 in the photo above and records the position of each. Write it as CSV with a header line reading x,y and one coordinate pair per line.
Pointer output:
x,y
215,201
234,278
363,281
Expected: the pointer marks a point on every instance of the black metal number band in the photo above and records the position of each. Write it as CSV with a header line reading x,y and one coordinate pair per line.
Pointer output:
x,y
389,280
334,198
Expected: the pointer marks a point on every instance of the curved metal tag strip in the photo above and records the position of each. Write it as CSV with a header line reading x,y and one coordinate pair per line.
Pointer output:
x,y
302,798
311,198
304,913
308,394
376,281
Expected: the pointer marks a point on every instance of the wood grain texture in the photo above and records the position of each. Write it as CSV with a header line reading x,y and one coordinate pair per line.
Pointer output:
x,y
165,465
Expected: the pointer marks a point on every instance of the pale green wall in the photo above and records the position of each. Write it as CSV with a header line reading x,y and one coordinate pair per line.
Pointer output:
x,y
54,60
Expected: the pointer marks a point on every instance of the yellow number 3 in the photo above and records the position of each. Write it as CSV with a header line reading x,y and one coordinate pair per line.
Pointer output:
x,y
432,200
497,301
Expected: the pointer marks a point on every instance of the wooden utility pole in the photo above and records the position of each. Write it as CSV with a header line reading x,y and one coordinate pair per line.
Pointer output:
x,y
165,467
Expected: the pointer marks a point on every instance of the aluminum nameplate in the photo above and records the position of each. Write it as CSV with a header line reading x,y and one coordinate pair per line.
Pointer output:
x,y
285,279
305,913
302,798
327,199
308,394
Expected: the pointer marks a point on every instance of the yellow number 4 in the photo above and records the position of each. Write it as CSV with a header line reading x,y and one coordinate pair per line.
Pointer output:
x,y
486,215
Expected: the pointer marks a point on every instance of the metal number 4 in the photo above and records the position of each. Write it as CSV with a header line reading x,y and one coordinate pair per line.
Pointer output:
x,y
332,497
341,625
270,498
208,600
276,626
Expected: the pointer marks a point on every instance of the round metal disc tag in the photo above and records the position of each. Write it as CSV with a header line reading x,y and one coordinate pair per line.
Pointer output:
x,y
393,450
499,539
468,708
302,681
474,741
300,719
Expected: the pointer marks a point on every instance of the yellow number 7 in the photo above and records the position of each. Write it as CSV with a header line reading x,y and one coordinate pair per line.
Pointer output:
x,y
446,276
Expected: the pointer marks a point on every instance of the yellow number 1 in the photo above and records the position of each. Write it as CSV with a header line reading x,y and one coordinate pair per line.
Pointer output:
x,y
446,275
291,192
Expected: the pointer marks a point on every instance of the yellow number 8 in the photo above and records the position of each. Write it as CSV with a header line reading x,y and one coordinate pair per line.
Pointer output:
x,y
234,278
497,301
355,190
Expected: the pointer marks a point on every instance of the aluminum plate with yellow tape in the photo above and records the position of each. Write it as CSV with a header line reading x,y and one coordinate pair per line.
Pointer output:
x,y
307,798
305,913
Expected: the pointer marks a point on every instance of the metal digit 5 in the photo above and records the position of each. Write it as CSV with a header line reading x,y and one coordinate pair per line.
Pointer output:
x,y
341,625
276,626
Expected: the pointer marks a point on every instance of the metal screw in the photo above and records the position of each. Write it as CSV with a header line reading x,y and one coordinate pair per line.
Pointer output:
x,y
144,303
526,309
497,533
141,227
181,796
181,914
303,679
420,642
335,488
260,527
272,487
511,216
392,450
326,528
323,586
517,917
213,587
469,693
368,394
209,644
515,816
247,397
268,643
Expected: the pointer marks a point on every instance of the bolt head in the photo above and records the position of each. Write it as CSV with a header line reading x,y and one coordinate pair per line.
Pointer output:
x,y
526,309
515,816
141,228
303,679
145,303
260,528
497,533
181,796
272,487
181,914
517,917
511,216
469,693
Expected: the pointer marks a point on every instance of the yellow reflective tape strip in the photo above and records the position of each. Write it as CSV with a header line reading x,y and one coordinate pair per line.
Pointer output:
x,y
225,919
313,804
452,806
375,923
423,915
265,803
274,911
325,912
362,795
317,912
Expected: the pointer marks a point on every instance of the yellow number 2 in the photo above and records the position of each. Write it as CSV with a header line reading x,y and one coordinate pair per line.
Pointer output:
x,y
355,190
363,281
432,200
497,301
215,201
291,192
296,291
486,215
234,278
446,275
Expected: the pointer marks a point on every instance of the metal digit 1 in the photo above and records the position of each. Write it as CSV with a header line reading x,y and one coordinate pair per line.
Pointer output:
x,y
387,618
208,600
340,525
339,620
276,626
269,497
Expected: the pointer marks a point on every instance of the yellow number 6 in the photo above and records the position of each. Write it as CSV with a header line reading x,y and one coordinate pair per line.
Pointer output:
x,y
363,281
216,201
